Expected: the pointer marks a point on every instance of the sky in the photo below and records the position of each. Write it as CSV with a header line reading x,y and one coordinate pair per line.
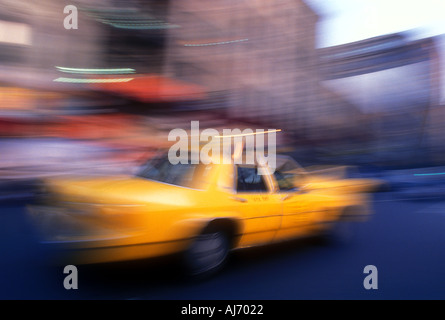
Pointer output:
x,y
344,21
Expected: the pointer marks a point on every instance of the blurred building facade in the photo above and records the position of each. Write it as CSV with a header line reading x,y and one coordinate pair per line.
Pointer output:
x,y
259,57
46,43
109,34
256,59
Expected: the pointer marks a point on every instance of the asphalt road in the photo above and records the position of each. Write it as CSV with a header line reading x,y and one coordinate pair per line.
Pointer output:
x,y
404,240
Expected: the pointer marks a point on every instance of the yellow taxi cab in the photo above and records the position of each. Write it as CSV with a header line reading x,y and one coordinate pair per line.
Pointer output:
x,y
199,211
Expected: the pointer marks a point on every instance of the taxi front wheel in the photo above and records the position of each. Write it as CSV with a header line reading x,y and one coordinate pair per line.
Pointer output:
x,y
207,253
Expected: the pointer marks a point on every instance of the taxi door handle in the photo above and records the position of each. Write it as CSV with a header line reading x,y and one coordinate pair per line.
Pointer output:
x,y
238,199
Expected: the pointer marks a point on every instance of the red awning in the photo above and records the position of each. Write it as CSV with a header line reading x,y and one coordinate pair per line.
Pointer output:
x,y
153,88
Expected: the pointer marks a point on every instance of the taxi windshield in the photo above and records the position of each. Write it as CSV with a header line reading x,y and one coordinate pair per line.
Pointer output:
x,y
181,174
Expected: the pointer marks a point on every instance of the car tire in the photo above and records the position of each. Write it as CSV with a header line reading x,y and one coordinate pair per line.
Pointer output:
x,y
207,253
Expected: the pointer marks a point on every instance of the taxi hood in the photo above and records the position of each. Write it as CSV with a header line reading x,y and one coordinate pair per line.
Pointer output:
x,y
116,190
342,185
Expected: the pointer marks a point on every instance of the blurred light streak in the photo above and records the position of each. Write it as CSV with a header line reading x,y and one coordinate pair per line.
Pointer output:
x,y
214,43
247,134
77,80
96,71
142,26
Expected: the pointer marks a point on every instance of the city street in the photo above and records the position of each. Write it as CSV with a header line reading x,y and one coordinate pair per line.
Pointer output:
x,y
404,240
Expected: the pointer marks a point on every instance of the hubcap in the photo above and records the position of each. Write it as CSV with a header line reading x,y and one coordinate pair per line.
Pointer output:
x,y
207,252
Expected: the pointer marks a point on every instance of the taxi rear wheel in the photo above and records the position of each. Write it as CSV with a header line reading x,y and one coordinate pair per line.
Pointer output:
x,y
207,253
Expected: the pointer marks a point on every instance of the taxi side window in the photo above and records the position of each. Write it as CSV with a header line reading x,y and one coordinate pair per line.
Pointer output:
x,y
248,180
286,181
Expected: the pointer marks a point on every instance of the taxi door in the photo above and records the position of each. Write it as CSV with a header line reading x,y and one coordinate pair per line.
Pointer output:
x,y
299,211
257,205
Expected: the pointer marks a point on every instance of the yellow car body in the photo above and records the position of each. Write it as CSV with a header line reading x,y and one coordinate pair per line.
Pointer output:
x,y
104,219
